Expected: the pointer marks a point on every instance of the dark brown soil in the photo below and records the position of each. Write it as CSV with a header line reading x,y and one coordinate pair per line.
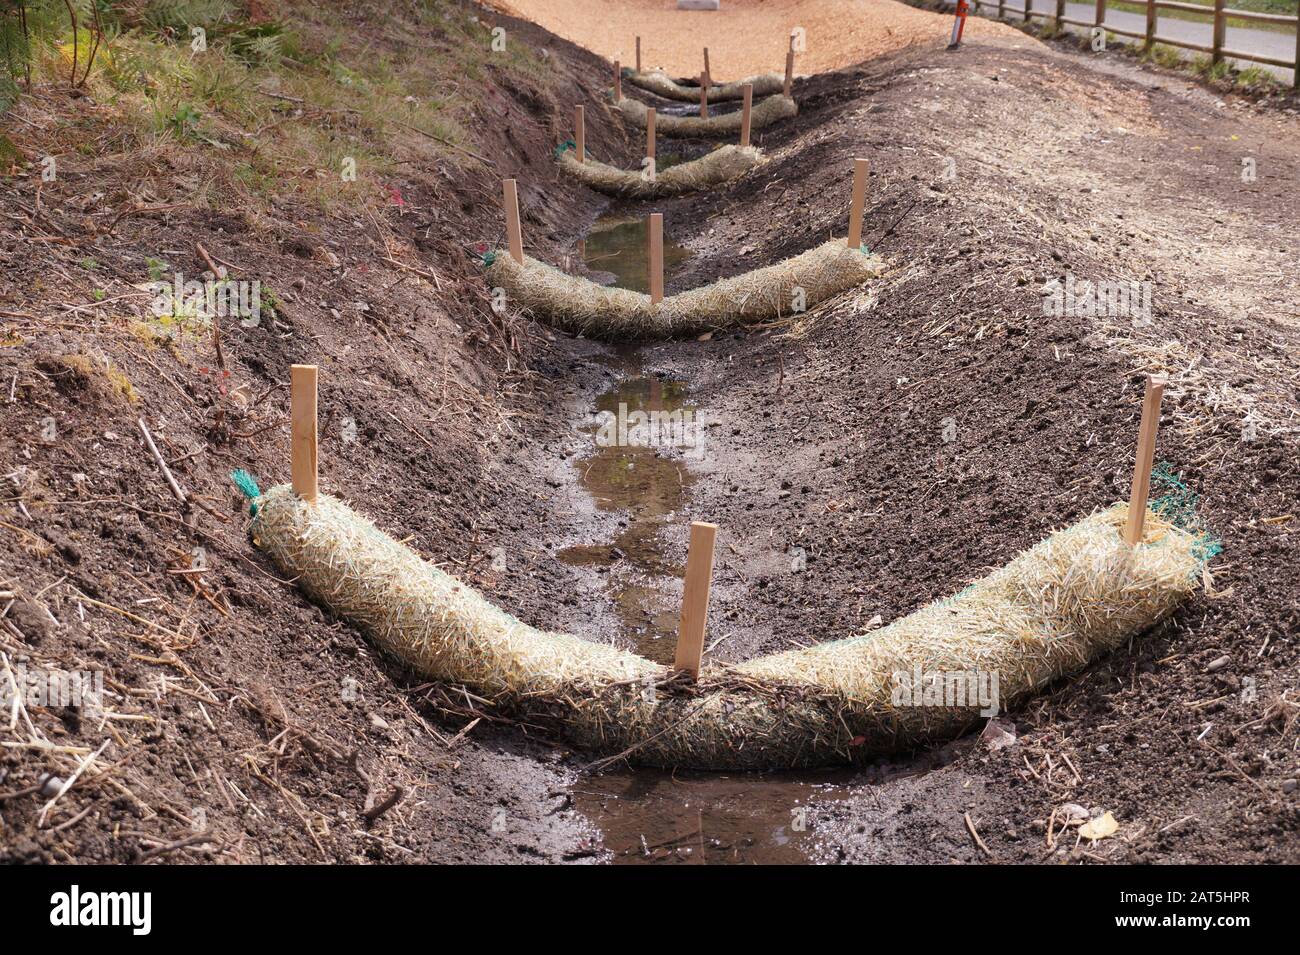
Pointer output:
x,y
828,439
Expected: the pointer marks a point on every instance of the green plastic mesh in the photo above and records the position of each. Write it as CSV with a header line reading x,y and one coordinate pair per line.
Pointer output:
x,y
1177,504
248,485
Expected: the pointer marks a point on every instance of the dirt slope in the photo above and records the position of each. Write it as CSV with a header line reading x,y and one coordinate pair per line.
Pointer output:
x,y
241,718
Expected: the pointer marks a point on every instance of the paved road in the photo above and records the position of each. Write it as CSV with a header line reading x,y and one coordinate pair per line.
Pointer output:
x,y
1264,42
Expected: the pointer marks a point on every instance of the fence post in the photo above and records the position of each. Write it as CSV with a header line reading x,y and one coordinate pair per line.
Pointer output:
x,y
1100,18
1220,28
1151,25
1060,12
1029,9
1002,9
1296,81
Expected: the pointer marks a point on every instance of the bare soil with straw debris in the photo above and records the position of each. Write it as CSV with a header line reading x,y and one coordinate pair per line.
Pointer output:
x,y
237,733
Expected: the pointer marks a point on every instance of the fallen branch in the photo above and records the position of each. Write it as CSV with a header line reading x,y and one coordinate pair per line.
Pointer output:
x,y
162,465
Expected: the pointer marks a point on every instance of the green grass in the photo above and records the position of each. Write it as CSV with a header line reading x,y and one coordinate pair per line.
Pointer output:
x,y
290,105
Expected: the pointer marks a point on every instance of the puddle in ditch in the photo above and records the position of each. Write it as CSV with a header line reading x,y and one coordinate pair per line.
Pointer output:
x,y
693,109
652,816
655,817
646,483
619,245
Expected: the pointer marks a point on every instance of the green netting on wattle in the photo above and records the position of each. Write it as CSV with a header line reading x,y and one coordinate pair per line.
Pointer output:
x,y
248,485
1177,503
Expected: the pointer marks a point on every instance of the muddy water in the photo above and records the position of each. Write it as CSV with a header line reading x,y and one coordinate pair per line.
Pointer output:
x,y
651,816
620,246
646,484
648,816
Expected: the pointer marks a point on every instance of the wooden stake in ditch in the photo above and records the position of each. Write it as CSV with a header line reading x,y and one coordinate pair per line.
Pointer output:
x,y
514,236
789,72
650,134
704,96
859,200
302,413
706,62
638,54
1137,504
618,82
656,257
744,117
695,598
580,132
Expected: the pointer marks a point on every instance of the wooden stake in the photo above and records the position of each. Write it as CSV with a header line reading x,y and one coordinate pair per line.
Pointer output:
x,y
704,96
650,133
514,237
618,82
789,71
1146,450
695,598
302,413
859,199
638,54
656,257
706,62
580,129
744,119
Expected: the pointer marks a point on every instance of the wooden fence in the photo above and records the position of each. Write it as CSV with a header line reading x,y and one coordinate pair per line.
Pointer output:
x,y
1217,49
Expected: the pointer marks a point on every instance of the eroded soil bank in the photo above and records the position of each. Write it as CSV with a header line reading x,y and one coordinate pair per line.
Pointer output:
x,y
861,460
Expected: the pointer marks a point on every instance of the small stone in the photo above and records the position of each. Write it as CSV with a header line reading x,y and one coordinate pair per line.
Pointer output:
x,y
1218,664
